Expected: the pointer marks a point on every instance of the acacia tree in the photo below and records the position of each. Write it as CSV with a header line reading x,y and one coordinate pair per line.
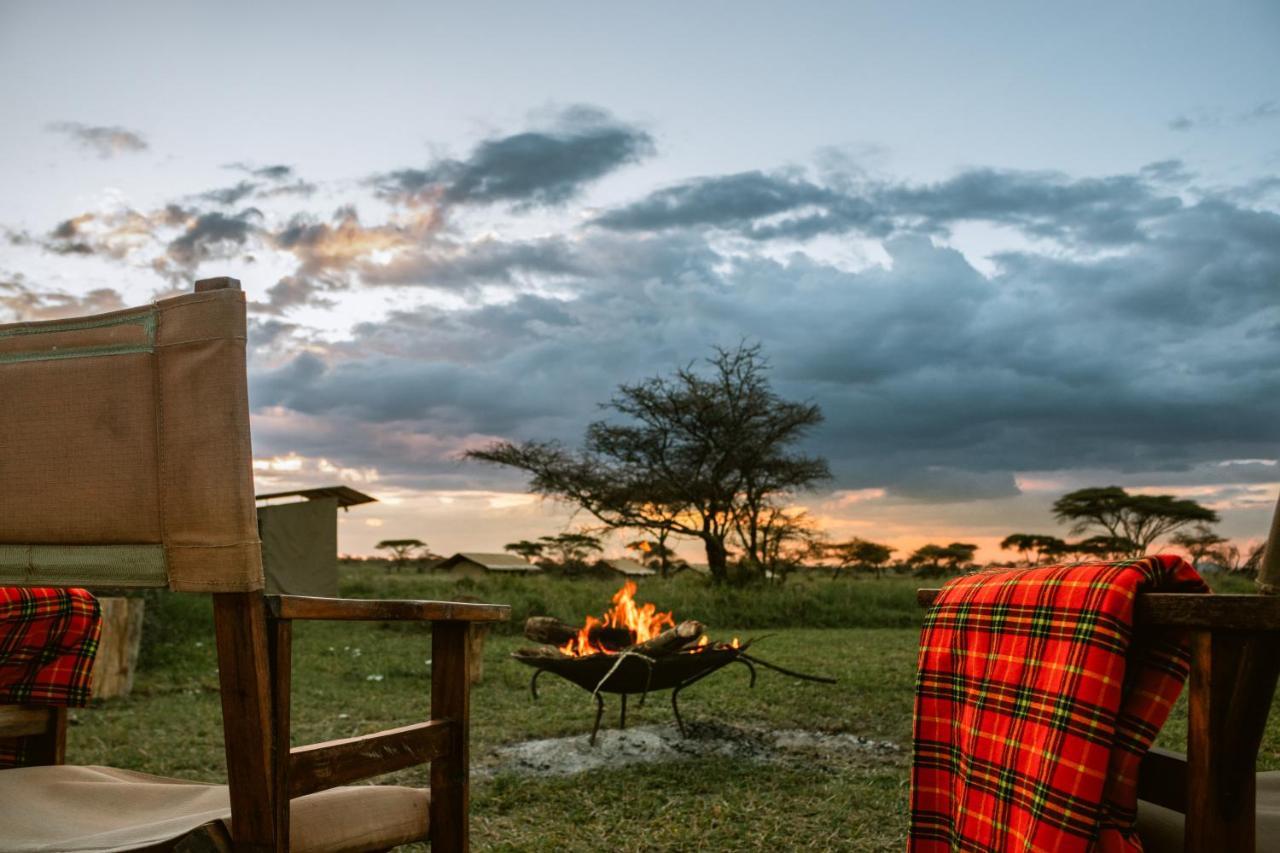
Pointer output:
x,y
1200,542
571,550
1040,545
696,455
401,550
655,554
1141,519
859,554
531,551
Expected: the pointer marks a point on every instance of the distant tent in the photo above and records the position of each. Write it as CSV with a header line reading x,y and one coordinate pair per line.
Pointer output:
x,y
475,564
300,538
628,568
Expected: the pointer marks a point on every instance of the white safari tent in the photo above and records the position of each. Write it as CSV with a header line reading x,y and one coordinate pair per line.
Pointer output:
x,y
299,532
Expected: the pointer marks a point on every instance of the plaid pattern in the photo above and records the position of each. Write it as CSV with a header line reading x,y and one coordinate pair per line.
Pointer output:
x,y
48,639
1035,705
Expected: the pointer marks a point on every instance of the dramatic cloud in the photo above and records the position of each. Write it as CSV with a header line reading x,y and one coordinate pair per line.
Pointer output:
x,y
538,167
273,181
106,141
1135,327
213,235
1102,211
939,382
19,302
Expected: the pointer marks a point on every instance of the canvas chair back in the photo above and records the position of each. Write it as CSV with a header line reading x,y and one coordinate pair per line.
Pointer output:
x,y
124,449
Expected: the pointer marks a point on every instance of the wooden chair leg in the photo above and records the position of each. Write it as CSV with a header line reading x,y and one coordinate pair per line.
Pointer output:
x,y
1233,677
240,624
51,746
451,700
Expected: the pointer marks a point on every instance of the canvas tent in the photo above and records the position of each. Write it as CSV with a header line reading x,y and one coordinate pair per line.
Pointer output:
x,y
300,538
473,564
629,568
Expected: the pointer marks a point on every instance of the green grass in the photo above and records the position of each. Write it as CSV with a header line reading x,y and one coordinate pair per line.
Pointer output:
x,y
862,632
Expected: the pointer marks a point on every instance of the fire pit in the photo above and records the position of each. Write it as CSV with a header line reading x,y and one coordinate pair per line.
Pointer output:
x,y
633,649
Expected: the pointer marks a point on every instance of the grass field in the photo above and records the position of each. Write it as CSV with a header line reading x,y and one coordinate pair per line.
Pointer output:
x,y
355,678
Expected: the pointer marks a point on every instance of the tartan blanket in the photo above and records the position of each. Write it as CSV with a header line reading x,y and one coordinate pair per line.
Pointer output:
x,y
48,639
1035,706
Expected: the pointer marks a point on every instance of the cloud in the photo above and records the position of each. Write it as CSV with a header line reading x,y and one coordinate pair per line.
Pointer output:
x,y
938,381
106,141
536,167
1217,118
1096,211
273,181
20,302
213,235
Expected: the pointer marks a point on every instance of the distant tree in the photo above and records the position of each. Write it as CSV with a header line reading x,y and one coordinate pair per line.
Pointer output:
x,y
401,550
1101,547
655,554
959,554
785,539
1038,544
859,554
531,551
928,559
570,551
699,456
1237,561
1141,519
1200,542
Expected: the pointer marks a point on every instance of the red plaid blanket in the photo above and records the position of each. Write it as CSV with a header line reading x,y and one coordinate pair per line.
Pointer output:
x,y
1035,706
48,638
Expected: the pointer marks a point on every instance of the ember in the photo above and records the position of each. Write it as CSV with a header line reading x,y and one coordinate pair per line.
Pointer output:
x,y
632,649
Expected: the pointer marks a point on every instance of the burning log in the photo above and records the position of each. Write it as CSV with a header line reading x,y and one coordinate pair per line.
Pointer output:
x,y
553,632
549,630
671,640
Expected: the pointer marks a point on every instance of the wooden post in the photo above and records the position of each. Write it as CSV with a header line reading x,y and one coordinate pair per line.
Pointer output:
x,y
475,672
118,646
240,624
1220,779
451,701
280,639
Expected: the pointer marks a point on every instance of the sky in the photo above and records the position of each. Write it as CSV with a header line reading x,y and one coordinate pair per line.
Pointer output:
x,y
1011,250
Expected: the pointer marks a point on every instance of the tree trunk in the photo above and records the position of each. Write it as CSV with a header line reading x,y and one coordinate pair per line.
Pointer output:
x,y
717,558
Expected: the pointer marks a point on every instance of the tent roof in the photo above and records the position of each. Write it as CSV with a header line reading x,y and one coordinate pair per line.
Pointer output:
x,y
346,495
493,562
626,566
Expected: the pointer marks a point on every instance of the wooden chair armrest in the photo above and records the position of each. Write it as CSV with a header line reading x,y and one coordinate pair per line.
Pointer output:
x,y
383,610
338,762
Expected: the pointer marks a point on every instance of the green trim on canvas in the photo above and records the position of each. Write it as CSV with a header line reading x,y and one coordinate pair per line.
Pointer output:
x,y
146,319
83,565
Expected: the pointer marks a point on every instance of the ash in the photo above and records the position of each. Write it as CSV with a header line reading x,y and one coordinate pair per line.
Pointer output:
x,y
655,744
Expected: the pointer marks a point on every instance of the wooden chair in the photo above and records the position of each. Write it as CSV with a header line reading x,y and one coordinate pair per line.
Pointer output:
x,y
125,461
1211,798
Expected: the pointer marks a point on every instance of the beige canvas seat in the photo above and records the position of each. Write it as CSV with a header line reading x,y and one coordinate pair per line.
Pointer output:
x,y
102,810
1162,829
126,462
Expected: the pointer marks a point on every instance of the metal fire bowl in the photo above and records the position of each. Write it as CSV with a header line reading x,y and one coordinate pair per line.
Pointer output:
x,y
635,674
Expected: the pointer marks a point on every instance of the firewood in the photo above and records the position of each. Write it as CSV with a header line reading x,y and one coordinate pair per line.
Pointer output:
x,y
553,632
541,652
671,640
549,630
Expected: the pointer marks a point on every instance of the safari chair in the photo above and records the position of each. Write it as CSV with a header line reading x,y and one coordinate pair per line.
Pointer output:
x,y
1211,798
125,462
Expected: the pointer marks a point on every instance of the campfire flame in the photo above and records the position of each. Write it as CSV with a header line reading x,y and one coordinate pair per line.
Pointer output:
x,y
642,620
